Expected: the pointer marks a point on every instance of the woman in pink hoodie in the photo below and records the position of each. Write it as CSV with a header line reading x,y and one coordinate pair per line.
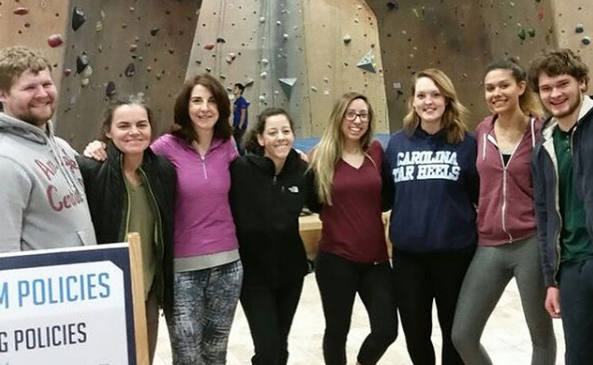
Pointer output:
x,y
507,246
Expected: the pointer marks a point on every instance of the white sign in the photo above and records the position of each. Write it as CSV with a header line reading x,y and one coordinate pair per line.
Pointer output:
x,y
64,313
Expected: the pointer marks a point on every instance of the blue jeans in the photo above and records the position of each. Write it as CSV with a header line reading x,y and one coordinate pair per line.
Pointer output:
x,y
576,303
204,304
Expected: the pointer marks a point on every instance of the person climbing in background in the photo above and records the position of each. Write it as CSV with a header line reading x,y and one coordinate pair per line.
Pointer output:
x,y
240,115
507,242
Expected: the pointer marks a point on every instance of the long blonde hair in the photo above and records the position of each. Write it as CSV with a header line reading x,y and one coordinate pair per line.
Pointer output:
x,y
456,114
328,151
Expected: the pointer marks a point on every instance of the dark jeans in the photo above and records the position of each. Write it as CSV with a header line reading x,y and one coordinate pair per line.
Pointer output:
x,y
576,302
269,313
339,280
238,135
418,280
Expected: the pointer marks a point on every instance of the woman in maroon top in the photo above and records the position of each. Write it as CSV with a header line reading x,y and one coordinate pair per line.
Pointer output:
x,y
352,254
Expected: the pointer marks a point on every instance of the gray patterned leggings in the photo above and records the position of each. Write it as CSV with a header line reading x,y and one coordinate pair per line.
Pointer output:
x,y
204,306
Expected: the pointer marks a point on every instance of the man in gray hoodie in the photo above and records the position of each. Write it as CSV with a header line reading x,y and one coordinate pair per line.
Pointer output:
x,y
42,199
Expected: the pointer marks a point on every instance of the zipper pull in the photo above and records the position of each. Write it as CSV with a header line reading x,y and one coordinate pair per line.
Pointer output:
x,y
274,180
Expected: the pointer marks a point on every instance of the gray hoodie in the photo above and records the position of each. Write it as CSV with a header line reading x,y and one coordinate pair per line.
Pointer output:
x,y
42,200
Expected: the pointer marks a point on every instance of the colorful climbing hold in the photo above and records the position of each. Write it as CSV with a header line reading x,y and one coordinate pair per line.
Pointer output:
x,y
392,5
366,63
21,10
82,62
209,46
531,32
154,31
579,28
521,33
287,84
586,40
130,70
110,89
78,18
55,40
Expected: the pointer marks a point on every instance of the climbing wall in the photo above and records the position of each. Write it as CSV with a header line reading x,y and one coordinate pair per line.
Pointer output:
x,y
259,44
343,54
574,27
460,37
299,55
126,47
31,23
110,48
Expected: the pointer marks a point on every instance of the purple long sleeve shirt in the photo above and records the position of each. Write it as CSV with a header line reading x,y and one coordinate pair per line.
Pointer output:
x,y
203,220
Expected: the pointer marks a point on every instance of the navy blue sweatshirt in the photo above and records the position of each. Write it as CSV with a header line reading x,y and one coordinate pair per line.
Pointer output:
x,y
433,189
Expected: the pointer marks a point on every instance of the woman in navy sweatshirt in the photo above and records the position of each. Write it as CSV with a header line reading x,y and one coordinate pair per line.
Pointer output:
x,y
430,166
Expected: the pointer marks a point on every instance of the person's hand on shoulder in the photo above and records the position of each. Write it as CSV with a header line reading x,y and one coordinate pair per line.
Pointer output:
x,y
96,150
302,155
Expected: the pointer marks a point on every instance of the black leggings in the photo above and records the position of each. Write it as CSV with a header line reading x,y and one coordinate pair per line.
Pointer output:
x,y
418,280
269,313
339,280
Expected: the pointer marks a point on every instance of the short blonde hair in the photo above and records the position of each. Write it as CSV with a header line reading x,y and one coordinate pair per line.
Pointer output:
x,y
16,60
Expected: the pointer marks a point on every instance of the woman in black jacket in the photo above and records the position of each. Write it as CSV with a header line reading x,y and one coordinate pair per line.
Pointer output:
x,y
268,192
133,190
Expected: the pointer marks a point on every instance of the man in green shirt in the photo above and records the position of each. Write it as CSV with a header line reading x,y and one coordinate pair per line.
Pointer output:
x,y
563,189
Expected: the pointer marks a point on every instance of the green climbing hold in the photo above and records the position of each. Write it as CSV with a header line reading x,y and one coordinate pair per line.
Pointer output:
x,y
521,34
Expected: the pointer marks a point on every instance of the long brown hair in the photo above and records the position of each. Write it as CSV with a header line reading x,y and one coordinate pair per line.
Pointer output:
x,y
183,126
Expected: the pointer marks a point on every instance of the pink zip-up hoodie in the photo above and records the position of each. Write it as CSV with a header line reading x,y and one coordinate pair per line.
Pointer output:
x,y
203,220
505,206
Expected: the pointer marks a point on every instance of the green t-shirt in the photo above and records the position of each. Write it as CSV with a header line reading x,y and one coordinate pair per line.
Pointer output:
x,y
574,239
142,220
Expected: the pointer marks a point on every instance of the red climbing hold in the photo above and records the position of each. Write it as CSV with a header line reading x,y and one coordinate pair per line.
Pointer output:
x,y
21,10
55,40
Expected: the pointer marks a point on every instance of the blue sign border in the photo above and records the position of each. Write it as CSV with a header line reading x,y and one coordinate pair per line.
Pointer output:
x,y
118,254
